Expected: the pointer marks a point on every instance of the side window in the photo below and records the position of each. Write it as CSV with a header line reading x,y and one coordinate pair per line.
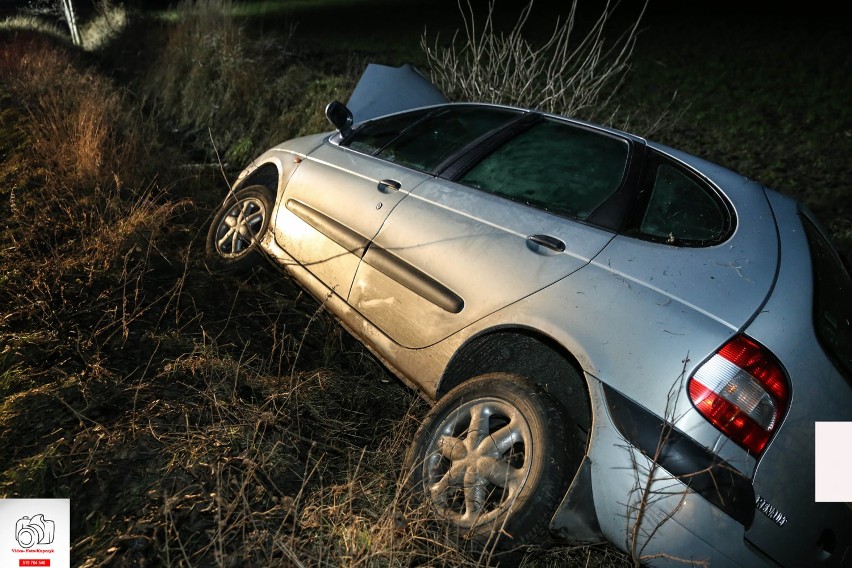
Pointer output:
x,y
430,142
682,210
375,135
555,166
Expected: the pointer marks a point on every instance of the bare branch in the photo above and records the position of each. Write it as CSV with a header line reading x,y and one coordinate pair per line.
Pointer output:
x,y
563,74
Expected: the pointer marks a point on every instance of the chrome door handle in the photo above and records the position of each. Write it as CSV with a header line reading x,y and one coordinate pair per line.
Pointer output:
x,y
386,185
548,242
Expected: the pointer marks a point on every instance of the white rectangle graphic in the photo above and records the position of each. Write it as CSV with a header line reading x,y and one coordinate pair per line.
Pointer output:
x,y
833,451
35,532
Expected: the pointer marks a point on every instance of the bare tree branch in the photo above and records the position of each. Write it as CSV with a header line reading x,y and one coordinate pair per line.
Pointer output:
x,y
564,74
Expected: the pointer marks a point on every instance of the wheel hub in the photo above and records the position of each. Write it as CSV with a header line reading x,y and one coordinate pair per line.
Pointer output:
x,y
479,462
238,229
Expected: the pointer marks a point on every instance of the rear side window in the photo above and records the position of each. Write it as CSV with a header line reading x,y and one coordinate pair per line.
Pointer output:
x,y
832,304
676,207
681,209
558,167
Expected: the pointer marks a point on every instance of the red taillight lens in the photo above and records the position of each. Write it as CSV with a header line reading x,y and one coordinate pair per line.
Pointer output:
x,y
742,391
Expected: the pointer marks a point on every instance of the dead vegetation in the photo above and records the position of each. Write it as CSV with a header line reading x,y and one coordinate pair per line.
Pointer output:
x,y
213,75
193,420
574,72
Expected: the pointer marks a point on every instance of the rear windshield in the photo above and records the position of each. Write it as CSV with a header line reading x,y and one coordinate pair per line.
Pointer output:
x,y
832,299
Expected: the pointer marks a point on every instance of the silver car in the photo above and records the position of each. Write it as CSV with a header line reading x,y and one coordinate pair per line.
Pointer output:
x,y
623,341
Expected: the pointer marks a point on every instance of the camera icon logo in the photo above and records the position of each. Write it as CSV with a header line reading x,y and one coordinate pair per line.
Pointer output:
x,y
30,531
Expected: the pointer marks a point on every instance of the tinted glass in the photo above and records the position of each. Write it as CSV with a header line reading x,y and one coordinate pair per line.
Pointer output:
x,y
373,136
554,166
832,304
681,209
429,143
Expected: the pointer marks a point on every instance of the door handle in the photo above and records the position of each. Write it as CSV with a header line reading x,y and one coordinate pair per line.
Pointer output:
x,y
386,185
548,242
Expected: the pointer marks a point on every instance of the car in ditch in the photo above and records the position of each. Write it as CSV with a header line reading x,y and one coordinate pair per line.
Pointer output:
x,y
621,340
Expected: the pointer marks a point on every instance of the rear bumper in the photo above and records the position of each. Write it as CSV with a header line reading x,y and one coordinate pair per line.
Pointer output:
x,y
649,511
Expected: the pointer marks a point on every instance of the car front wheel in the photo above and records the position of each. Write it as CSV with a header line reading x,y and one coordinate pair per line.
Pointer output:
x,y
237,227
494,458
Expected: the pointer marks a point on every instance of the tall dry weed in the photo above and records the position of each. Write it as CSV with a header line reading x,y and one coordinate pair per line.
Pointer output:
x,y
83,130
205,80
214,79
83,214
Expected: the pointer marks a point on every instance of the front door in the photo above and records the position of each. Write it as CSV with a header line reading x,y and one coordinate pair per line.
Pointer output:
x,y
334,205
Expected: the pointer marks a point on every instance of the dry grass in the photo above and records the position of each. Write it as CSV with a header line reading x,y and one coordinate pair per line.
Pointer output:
x,y
33,23
99,131
193,420
107,23
213,79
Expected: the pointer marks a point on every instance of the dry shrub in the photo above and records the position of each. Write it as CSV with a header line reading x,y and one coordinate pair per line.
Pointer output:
x,y
24,48
205,81
83,130
104,26
81,239
90,156
565,74
222,89
29,22
204,63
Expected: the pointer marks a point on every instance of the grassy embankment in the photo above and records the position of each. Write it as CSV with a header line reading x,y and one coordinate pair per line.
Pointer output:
x,y
196,419
193,419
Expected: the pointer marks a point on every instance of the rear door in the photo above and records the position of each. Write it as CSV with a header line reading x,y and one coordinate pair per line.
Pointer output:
x,y
503,228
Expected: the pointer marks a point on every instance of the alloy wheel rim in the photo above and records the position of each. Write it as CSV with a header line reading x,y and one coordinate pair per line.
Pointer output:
x,y
478,461
239,227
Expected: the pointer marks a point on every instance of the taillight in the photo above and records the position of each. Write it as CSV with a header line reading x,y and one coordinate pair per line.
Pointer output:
x,y
742,391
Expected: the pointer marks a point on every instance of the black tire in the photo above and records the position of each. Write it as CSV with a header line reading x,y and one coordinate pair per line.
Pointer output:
x,y
498,490
236,229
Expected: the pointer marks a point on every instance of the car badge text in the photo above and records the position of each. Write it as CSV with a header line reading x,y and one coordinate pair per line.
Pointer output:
x,y
770,511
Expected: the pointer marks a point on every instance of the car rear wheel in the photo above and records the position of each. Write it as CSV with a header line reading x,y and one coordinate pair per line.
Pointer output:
x,y
494,458
237,227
